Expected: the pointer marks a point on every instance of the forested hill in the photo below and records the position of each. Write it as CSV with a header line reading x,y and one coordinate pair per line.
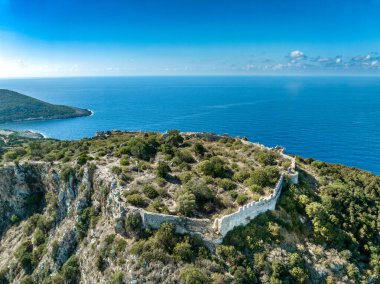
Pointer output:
x,y
17,107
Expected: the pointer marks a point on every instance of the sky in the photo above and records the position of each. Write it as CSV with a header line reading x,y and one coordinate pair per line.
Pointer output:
x,y
54,38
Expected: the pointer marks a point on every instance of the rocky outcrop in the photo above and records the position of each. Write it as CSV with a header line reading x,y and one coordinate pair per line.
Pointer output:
x,y
30,188
22,191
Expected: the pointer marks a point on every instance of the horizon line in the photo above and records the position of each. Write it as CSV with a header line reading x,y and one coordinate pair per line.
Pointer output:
x,y
188,75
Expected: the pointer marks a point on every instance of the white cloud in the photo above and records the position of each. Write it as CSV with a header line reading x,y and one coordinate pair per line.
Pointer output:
x,y
278,67
296,55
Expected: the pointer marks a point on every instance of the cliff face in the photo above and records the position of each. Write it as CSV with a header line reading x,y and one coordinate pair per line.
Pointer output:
x,y
76,212
34,197
22,191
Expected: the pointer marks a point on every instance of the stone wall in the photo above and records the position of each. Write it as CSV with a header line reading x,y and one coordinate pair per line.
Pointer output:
x,y
249,211
292,174
184,225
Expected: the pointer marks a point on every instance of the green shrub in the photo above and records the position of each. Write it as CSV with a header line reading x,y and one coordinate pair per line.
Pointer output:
x,y
142,149
163,170
226,184
15,219
116,170
185,177
203,193
85,220
244,275
117,278
318,164
124,161
23,255
199,149
15,154
241,199
66,173
167,149
174,138
213,167
125,178
241,176
54,250
263,177
266,158
186,203
100,263
184,156
136,200
165,237
133,222
150,191
83,158
27,280
255,188
70,270
193,275
159,207
183,252
38,237
234,194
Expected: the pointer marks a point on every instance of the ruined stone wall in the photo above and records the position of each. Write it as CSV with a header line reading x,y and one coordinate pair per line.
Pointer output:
x,y
184,225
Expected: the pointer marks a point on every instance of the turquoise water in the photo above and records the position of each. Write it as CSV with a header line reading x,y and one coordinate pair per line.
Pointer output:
x,y
336,119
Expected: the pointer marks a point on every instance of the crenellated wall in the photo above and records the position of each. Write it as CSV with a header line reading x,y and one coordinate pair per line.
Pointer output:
x,y
249,211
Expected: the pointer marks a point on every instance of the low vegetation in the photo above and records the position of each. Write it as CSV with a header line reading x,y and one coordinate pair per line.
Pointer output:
x,y
175,174
324,230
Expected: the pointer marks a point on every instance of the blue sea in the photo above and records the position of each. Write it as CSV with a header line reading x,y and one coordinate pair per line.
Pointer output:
x,y
335,119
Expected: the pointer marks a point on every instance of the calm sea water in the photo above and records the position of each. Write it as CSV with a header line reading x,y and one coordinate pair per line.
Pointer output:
x,y
336,119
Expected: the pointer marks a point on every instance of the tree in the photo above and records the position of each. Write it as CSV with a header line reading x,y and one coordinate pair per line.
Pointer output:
x,y
165,236
136,200
199,149
70,270
150,191
193,275
266,158
244,276
213,167
183,252
24,256
142,149
262,177
174,138
163,170
186,203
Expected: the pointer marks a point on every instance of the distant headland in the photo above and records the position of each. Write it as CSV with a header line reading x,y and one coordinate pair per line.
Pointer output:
x,y
16,107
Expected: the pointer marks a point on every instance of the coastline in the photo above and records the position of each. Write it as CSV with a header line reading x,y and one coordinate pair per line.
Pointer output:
x,y
88,114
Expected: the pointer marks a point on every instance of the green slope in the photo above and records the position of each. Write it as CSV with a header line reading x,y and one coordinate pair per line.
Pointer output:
x,y
17,107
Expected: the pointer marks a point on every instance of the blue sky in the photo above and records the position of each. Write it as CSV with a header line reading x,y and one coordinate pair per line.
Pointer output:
x,y
188,37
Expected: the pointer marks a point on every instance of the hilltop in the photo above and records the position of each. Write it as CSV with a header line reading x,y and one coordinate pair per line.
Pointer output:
x,y
16,107
79,211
